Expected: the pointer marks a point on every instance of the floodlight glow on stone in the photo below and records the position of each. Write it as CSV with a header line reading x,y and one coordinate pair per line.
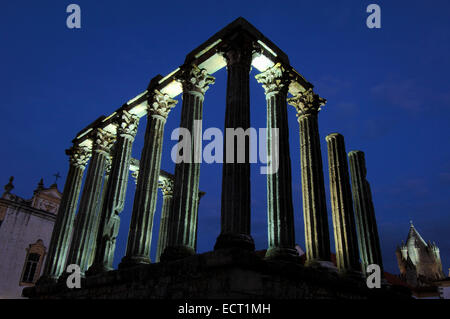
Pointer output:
x,y
262,63
168,76
111,128
137,97
173,89
213,64
209,47
267,48
140,109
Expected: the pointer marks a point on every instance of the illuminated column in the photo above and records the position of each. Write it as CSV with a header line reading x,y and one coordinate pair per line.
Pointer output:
x,y
347,257
167,190
280,212
59,244
181,232
114,199
140,234
85,220
235,210
369,243
317,238
93,242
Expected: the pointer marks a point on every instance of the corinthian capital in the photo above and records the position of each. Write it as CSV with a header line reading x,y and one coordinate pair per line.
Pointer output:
x,y
79,155
102,140
160,104
127,124
166,186
195,79
273,79
307,103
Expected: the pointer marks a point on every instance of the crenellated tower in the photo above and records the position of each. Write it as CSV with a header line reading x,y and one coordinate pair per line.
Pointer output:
x,y
419,262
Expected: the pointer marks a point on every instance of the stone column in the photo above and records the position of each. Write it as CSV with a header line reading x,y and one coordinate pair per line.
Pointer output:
x,y
181,230
167,190
62,230
85,220
347,258
115,192
369,242
140,234
93,243
200,195
235,210
317,237
280,212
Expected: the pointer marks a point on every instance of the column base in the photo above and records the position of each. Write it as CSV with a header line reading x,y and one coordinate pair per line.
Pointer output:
x,y
355,274
46,280
282,253
323,264
96,269
232,240
134,261
176,252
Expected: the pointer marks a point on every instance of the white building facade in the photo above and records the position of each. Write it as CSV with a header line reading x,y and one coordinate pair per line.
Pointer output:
x,y
25,230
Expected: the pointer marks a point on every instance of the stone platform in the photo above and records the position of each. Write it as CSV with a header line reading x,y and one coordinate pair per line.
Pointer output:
x,y
219,275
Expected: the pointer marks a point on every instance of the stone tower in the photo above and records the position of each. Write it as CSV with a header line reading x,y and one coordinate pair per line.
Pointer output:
x,y
419,262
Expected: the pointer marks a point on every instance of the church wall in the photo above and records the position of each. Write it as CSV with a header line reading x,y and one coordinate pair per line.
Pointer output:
x,y
20,229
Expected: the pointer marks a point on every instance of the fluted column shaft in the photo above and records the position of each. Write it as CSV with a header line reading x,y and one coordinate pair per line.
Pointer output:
x,y
317,237
93,242
280,212
85,220
200,195
366,224
60,240
167,191
140,234
181,236
235,210
347,257
114,199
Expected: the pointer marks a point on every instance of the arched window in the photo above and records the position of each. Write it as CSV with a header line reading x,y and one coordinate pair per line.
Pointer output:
x,y
33,263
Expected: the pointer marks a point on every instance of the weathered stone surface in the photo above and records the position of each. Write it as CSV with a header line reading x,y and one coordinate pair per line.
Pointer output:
x,y
59,244
95,228
317,237
85,221
235,209
183,217
167,190
369,243
114,194
347,257
219,274
280,212
139,237
200,195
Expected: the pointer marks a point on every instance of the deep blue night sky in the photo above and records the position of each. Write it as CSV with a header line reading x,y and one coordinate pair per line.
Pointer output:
x,y
388,93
